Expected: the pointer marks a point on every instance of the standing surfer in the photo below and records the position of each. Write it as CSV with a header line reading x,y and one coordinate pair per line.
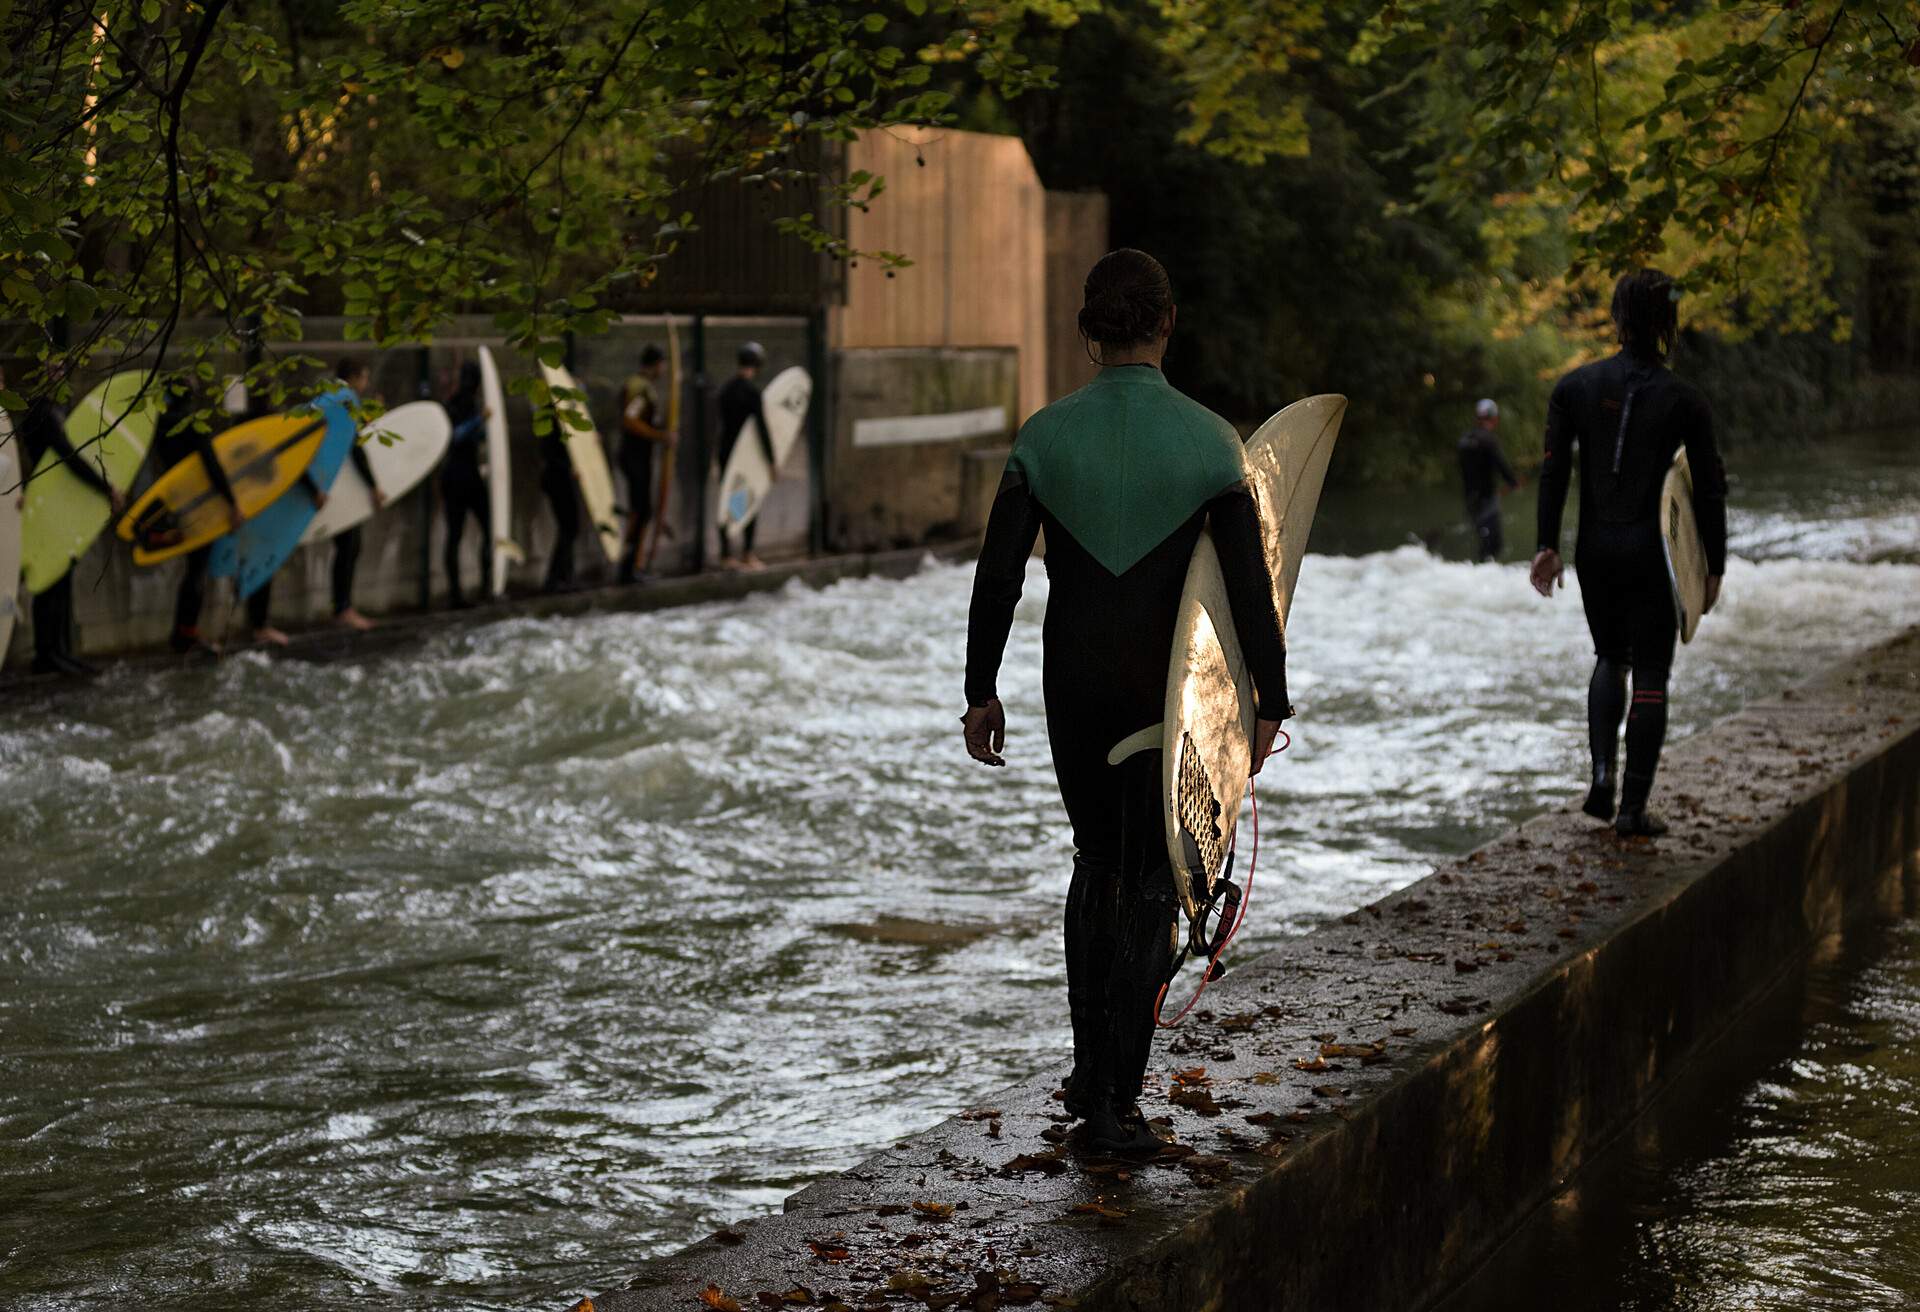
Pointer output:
x,y
178,437
643,425
41,429
1628,415
463,491
1481,459
353,377
1124,475
557,480
739,402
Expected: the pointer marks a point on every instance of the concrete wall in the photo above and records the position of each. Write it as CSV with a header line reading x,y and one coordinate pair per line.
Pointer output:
x,y
892,484
1362,1115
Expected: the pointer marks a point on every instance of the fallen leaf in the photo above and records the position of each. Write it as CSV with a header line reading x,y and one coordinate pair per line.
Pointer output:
x,y
938,1211
1046,1163
718,1301
584,1305
891,1209
1310,1064
828,1252
908,1281
1101,1210
1195,1077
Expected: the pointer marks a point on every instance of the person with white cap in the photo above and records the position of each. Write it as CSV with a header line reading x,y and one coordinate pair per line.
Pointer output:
x,y
1481,460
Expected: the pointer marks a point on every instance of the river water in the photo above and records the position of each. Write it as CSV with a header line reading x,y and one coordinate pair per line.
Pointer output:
x,y
472,975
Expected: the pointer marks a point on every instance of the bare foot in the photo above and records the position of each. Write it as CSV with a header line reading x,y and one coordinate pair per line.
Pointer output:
x,y
730,564
354,620
753,562
271,636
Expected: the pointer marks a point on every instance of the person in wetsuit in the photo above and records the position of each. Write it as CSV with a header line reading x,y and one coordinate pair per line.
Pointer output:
x,y
557,480
43,428
1481,460
643,427
179,437
353,377
740,401
463,489
1626,416
1123,475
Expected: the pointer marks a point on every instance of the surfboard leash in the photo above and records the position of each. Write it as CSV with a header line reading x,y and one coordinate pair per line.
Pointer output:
x,y
1237,900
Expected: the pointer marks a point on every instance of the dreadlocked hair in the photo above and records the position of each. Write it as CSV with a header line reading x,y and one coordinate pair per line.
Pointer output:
x,y
1646,313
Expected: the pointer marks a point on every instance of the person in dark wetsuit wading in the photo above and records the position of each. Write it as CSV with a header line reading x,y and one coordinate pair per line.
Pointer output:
x,y
1123,475
1628,415
1481,460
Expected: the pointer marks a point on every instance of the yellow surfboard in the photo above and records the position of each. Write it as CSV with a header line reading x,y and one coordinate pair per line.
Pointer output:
x,y
109,428
183,510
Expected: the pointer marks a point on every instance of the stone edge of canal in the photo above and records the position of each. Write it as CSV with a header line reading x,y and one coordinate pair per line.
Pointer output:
x,y
1374,1106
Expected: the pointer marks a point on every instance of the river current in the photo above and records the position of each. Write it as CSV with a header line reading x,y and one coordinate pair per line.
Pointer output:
x,y
472,975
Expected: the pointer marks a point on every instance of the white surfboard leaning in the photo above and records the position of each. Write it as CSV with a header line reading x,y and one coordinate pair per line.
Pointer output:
x,y
1207,730
419,434
10,496
747,479
1686,553
589,459
499,474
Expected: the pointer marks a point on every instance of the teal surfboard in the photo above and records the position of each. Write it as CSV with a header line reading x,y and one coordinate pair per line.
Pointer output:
x,y
256,553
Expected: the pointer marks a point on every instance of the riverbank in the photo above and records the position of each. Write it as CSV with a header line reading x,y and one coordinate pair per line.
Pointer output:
x,y
1364,1113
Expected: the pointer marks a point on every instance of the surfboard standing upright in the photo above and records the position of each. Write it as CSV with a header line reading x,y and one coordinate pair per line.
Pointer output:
x,y
499,474
1686,553
110,428
10,492
420,435
747,479
261,547
589,459
1207,730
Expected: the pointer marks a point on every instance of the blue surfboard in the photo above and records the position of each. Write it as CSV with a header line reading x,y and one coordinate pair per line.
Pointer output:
x,y
256,553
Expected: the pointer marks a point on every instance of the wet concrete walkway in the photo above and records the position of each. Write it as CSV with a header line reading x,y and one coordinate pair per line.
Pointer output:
x,y
1356,1119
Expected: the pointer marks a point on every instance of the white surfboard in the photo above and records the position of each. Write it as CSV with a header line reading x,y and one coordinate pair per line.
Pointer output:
x,y
1686,553
416,436
499,474
10,498
589,456
747,479
1208,727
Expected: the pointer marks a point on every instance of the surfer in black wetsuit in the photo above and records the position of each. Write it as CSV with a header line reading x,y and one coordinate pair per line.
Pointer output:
x,y
740,401
41,429
557,481
178,437
1628,415
1123,475
463,490
1481,460
643,426
352,373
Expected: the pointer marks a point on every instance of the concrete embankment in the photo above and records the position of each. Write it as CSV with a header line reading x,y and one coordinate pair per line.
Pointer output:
x,y
1362,1115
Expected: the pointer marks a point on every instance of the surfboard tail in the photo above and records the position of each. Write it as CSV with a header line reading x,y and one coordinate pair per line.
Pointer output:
x,y
510,549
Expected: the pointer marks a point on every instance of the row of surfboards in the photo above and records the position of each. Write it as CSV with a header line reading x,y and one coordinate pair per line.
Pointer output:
x,y
44,533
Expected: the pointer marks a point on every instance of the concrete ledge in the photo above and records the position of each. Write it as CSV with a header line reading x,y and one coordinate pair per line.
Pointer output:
x,y
1363,1114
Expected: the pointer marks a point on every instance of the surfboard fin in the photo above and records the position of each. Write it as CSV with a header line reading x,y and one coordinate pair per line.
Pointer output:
x,y
510,549
1149,739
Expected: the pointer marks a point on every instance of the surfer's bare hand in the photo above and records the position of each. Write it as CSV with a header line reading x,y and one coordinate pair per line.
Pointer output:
x,y
1264,732
1547,571
985,729
1713,592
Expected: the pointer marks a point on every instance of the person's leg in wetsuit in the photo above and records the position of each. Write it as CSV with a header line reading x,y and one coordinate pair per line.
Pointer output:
x,y
1491,532
259,609
1628,601
190,600
557,482
636,464
464,494
53,631
346,556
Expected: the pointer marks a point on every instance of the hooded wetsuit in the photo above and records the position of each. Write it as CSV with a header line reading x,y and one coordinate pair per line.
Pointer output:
x,y
739,401
1122,475
1627,417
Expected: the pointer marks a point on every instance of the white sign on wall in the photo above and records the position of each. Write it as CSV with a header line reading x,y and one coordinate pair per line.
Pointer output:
x,y
909,430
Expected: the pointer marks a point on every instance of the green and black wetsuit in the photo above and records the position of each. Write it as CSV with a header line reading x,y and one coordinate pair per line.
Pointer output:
x,y
1123,476
1626,417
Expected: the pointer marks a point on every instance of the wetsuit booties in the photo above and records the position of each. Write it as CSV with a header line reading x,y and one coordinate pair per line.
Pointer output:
x,y
1120,1130
1606,706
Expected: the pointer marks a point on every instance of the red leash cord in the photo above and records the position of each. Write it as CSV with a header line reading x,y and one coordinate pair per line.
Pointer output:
x,y
1246,901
